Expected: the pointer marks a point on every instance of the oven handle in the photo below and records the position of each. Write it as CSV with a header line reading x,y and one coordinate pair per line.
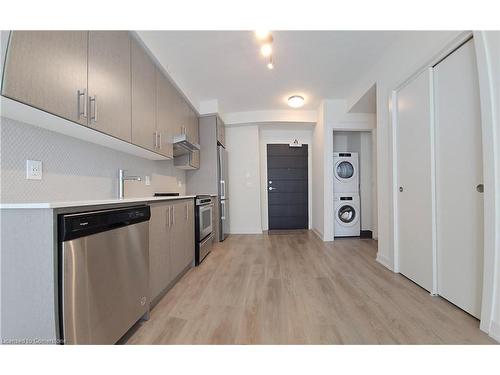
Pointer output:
x,y
206,207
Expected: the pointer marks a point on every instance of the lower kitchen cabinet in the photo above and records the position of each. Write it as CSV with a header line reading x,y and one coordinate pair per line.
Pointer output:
x,y
171,243
159,249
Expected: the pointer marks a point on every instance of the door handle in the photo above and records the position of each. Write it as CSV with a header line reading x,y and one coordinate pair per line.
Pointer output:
x,y
223,188
480,188
93,108
271,188
82,103
223,205
401,189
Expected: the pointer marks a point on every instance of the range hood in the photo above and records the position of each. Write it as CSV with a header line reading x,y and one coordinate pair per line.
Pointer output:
x,y
183,146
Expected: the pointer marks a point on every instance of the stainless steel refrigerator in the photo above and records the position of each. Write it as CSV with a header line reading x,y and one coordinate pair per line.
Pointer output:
x,y
223,192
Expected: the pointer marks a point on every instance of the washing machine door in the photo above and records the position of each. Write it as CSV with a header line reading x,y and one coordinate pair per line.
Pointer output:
x,y
347,215
344,170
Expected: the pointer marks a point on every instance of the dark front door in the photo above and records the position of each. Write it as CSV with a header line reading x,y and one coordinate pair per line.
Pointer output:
x,y
287,187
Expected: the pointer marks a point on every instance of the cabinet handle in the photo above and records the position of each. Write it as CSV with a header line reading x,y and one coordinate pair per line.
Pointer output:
x,y
93,108
173,215
159,143
155,140
82,103
187,212
168,217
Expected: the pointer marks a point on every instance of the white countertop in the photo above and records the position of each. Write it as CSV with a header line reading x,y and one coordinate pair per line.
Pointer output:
x,y
51,205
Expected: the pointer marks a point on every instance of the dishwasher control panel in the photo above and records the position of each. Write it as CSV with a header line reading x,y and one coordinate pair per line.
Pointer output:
x,y
77,225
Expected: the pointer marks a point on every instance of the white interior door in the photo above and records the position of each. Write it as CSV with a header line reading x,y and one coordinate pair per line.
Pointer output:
x,y
458,172
415,183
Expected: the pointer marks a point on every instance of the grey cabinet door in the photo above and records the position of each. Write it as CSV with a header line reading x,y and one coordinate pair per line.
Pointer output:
x,y
109,83
143,98
48,70
189,235
160,274
195,159
194,126
177,258
165,113
180,241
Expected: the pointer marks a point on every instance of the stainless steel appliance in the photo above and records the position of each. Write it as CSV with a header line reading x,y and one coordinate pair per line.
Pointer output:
x,y
103,273
204,227
223,196
183,145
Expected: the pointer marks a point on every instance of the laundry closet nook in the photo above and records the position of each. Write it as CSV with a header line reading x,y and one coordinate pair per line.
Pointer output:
x,y
353,183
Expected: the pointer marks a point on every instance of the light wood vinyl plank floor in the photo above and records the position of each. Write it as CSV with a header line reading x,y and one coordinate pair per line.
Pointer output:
x,y
295,289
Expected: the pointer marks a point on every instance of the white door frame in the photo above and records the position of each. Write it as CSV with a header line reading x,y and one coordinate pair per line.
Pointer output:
x,y
490,159
491,177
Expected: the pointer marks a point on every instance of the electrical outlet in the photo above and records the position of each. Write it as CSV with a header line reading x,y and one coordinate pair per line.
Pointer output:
x,y
147,180
33,170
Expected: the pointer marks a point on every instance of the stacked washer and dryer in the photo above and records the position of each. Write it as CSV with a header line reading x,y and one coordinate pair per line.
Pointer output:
x,y
346,194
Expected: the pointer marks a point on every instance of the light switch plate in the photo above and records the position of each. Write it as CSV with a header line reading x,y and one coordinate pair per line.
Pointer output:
x,y
33,170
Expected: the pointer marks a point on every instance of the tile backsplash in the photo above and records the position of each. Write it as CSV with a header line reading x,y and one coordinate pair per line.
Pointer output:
x,y
74,169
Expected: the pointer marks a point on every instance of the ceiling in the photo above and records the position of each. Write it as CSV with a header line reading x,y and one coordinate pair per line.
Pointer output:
x,y
227,65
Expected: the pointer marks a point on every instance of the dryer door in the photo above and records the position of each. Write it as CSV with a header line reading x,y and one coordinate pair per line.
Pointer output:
x,y
344,170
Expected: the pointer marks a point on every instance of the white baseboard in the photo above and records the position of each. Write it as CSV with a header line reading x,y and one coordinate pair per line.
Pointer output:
x,y
384,261
246,231
495,331
317,233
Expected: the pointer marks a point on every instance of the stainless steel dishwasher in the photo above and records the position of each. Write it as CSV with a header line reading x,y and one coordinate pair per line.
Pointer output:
x,y
103,273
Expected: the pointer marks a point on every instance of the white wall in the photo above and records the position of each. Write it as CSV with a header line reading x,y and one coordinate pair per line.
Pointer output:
x,y
283,133
318,177
247,170
242,145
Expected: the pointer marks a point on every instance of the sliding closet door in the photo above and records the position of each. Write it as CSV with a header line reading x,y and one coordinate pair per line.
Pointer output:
x,y
414,171
458,174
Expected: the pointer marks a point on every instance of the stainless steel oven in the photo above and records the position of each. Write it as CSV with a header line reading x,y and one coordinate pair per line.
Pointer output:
x,y
204,227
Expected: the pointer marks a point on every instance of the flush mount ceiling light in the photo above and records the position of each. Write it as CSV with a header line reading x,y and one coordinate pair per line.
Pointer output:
x,y
266,49
296,101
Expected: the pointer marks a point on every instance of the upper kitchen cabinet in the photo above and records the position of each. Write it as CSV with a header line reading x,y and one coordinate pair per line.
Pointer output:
x,y
221,132
143,99
193,126
48,70
166,115
109,83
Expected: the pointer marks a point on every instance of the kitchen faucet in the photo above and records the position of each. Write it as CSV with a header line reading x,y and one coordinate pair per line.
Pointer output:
x,y
122,179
